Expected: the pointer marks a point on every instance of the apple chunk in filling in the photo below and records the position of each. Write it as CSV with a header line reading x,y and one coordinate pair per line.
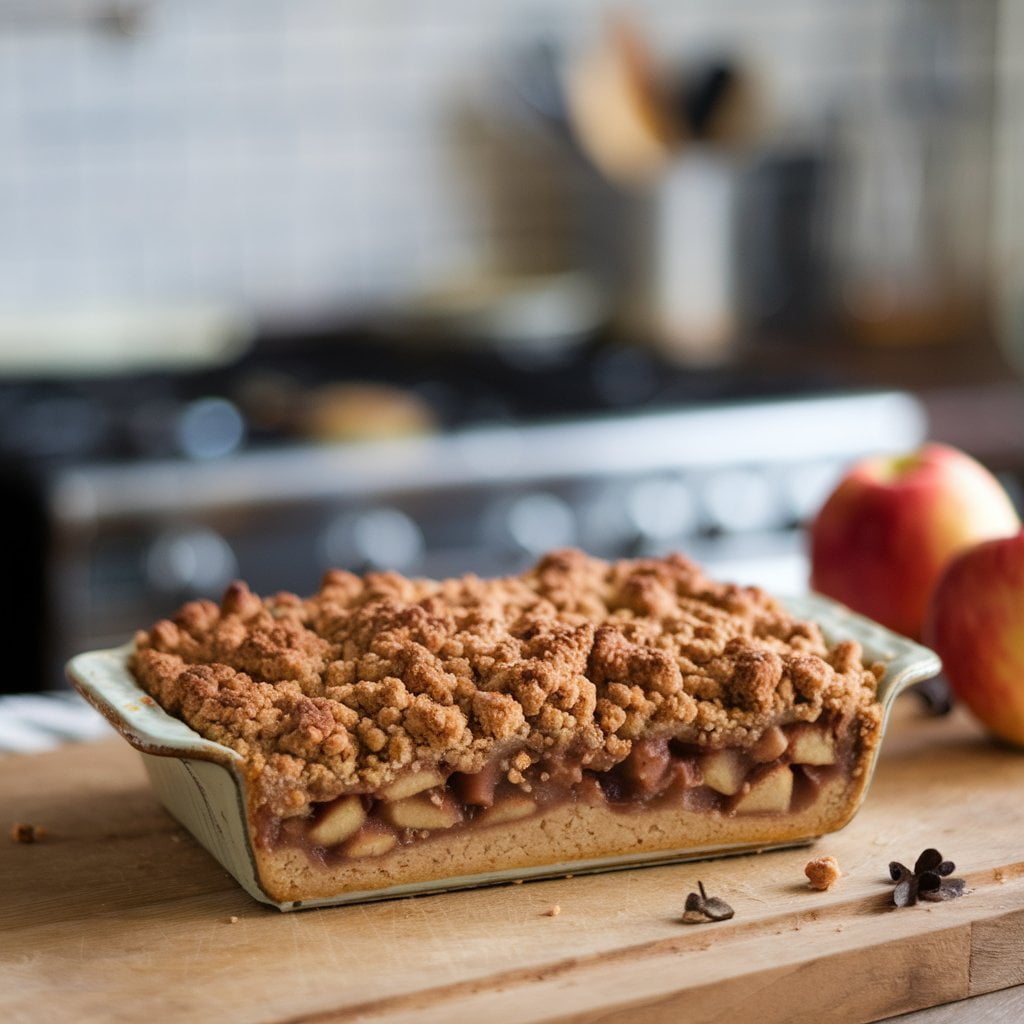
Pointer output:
x,y
340,820
422,812
510,808
370,842
723,771
812,744
769,793
412,783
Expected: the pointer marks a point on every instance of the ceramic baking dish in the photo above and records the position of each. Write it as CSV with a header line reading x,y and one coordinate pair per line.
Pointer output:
x,y
202,783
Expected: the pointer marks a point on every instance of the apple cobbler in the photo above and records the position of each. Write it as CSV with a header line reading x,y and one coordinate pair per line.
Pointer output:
x,y
396,731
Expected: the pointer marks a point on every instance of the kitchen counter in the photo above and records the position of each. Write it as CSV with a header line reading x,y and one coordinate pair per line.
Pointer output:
x,y
117,909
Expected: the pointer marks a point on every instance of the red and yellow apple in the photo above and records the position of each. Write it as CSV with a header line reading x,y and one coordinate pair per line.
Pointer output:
x,y
976,625
887,531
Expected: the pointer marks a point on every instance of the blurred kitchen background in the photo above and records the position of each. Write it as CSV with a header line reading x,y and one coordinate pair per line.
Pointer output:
x,y
438,285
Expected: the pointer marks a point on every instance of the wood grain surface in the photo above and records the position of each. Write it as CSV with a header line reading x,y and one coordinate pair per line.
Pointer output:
x,y
118,915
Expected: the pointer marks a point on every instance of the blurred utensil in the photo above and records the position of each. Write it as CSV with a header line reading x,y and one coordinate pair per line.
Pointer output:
x,y
618,109
716,102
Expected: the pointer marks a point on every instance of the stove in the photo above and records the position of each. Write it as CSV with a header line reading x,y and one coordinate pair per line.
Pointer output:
x,y
127,497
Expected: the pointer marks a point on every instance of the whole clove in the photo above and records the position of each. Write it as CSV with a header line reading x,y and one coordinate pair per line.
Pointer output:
x,y
928,881
701,908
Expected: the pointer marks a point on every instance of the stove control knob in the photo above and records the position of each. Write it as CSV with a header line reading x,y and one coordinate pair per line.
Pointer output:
x,y
808,485
377,538
538,522
742,500
209,428
662,509
190,561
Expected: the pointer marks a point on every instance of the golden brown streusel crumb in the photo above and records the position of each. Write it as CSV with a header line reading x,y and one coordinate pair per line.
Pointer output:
x,y
822,873
553,911
23,832
341,692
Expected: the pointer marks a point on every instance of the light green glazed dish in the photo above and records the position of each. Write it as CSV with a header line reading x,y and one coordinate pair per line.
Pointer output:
x,y
202,783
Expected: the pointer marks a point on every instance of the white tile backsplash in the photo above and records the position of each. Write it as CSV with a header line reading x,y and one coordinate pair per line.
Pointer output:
x,y
298,154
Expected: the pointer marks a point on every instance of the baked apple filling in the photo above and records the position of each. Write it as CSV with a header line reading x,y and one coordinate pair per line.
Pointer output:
x,y
785,770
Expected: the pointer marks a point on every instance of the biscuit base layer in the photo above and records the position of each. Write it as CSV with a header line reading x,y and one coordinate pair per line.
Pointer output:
x,y
563,835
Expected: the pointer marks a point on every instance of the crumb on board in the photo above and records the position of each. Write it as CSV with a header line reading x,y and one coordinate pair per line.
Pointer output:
x,y
553,911
23,832
233,919
822,873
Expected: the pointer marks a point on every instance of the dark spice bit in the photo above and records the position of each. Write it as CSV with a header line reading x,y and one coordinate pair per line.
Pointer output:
x,y
928,881
701,908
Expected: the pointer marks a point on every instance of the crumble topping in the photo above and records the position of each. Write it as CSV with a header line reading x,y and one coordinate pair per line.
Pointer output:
x,y
822,873
341,692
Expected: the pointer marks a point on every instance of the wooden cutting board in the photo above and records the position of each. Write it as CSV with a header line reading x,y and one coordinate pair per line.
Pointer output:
x,y
118,915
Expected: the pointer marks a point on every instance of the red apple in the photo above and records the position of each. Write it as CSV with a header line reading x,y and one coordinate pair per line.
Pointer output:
x,y
887,531
976,625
